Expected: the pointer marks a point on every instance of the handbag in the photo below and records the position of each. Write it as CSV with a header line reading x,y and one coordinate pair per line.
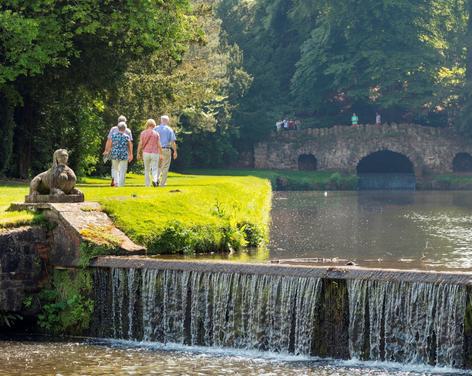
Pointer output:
x,y
106,157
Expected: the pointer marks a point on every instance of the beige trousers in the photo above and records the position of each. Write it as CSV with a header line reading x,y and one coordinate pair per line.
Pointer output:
x,y
164,165
151,162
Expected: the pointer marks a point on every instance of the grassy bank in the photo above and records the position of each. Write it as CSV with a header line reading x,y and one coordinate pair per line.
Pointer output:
x,y
194,213
284,180
14,192
451,181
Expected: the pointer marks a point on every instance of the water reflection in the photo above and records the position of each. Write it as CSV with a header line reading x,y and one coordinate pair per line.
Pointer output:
x,y
381,228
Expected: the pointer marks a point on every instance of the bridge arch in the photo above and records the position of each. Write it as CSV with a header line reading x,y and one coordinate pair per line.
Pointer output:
x,y
462,162
386,169
385,162
307,162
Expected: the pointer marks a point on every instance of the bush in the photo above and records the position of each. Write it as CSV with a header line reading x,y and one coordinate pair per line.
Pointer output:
x,y
66,306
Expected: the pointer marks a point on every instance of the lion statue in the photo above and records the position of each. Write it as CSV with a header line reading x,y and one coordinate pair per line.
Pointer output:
x,y
59,180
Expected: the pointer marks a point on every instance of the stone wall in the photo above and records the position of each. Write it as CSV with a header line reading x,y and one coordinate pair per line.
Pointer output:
x,y
341,147
23,258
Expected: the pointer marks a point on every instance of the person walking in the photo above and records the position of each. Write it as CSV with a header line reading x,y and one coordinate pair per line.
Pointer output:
x,y
169,148
112,131
378,119
354,120
120,148
149,150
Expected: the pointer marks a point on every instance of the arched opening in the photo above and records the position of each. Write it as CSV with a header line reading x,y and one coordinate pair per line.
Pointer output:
x,y
386,169
307,162
462,163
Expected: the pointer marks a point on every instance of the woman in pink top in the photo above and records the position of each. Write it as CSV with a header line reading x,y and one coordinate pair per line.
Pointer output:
x,y
149,150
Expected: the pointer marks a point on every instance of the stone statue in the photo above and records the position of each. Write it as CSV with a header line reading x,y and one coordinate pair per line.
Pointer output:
x,y
56,184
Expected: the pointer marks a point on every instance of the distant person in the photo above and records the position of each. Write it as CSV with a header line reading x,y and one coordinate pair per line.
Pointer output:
x,y
354,120
378,119
113,130
120,148
149,150
169,148
285,124
278,126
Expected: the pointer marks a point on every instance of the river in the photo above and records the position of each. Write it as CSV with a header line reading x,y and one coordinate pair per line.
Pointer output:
x,y
42,357
423,230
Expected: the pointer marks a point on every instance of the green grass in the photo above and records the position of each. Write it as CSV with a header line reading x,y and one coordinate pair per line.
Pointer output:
x,y
14,192
194,213
294,180
454,178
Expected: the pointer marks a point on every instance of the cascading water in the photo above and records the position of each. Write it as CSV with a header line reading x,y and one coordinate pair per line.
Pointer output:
x,y
273,313
407,322
381,320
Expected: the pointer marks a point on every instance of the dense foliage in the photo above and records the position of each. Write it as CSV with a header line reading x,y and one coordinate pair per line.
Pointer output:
x,y
319,61
224,70
69,69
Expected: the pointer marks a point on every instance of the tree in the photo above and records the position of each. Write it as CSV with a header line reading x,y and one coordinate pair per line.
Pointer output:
x,y
63,58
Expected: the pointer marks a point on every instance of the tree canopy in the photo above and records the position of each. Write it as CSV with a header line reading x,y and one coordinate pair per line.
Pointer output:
x,y
224,70
319,61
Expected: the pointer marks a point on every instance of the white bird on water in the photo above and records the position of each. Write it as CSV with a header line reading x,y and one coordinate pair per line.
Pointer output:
x,y
326,194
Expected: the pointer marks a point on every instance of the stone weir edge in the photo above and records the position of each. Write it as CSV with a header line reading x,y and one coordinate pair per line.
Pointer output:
x,y
326,272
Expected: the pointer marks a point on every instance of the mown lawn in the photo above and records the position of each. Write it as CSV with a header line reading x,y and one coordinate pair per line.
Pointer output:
x,y
194,213
285,180
14,192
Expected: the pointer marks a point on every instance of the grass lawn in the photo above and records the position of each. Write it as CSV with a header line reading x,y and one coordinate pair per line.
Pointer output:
x,y
14,192
294,180
194,213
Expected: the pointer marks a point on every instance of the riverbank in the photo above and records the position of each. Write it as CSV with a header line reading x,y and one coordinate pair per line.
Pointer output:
x,y
193,214
287,180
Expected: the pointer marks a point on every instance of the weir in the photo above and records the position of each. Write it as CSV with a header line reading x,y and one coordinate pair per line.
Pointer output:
x,y
352,312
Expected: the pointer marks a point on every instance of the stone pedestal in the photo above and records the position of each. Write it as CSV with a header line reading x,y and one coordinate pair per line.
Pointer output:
x,y
54,198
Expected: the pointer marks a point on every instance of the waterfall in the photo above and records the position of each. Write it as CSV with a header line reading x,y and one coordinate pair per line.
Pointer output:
x,y
380,320
274,313
407,322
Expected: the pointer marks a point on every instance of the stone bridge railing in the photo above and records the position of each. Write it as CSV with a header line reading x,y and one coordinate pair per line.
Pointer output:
x,y
369,128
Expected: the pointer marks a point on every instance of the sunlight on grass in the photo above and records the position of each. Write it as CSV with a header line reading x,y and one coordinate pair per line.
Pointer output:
x,y
199,213
9,193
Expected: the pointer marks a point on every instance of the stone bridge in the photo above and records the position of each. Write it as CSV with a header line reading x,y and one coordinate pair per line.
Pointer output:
x,y
398,148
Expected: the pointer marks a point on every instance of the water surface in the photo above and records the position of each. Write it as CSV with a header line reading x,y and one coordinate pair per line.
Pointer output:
x,y
425,230
125,358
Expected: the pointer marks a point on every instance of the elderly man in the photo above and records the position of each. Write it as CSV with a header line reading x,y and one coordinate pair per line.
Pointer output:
x,y
113,130
169,148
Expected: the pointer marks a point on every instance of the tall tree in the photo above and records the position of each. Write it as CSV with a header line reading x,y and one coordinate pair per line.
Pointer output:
x,y
61,58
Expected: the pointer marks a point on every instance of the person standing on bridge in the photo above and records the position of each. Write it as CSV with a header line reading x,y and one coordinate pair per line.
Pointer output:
x,y
354,120
378,119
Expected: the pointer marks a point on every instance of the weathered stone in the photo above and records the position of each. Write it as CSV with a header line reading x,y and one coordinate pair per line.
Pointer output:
x,y
431,150
56,184
22,268
54,198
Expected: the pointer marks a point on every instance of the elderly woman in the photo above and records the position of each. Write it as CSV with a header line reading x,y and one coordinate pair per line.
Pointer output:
x,y
149,150
121,150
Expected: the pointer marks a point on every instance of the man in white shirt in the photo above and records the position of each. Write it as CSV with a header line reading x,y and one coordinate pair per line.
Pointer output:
x,y
169,148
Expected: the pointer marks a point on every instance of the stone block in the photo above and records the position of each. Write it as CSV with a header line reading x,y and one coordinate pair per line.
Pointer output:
x,y
54,198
